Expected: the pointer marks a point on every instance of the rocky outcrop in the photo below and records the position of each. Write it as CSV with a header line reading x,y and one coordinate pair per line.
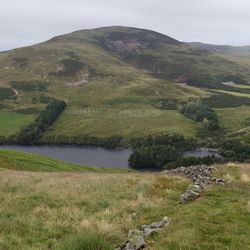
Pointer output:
x,y
201,176
136,238
126,45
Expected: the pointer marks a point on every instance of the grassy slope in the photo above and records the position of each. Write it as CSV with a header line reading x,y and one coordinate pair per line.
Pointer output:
x,y
234,93
240,86
234,119
11,122
126,122
243,135
46,210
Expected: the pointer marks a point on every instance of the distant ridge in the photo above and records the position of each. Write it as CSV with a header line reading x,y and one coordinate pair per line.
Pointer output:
x,y
223,49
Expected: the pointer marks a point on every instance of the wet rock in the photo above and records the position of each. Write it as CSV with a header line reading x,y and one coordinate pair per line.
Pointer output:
x,y
155,227
161,224
166,220
143,227
194,188
136,243
148,231
129,246
137,237
134,215
158,224
192,193
122,246
133,233
220,181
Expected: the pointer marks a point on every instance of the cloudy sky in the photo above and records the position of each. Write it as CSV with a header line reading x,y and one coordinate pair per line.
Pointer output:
x,y
25,22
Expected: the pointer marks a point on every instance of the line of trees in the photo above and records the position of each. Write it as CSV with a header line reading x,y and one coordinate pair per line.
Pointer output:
x,y
7,139
31,133
84,140
235,150
158,150
201,113
191,161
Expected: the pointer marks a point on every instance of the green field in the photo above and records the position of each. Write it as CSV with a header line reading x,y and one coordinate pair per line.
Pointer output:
x,y
127,123
241,86
62,210
12,122
234,119
233,93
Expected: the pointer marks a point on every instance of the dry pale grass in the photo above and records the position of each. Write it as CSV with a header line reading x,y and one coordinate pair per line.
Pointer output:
x,y
54,206
245,172
235,171
42,210
245,177
248,207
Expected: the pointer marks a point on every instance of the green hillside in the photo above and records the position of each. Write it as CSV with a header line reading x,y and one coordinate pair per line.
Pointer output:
x,y
116,81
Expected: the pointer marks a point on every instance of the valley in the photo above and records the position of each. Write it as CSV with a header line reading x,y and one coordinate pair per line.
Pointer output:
x,y
126,84
146,102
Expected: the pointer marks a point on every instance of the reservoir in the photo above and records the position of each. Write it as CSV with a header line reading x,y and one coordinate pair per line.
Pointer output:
x,y
87,156
96,156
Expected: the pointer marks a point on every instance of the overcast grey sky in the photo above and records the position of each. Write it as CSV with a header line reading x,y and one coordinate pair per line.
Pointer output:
x,y
25,22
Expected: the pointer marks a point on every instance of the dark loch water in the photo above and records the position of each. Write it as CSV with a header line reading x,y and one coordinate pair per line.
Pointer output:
x,y
88,156
203,152
96,157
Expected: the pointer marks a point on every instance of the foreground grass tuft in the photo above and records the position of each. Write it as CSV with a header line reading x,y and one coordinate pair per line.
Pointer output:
x,y
86,241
